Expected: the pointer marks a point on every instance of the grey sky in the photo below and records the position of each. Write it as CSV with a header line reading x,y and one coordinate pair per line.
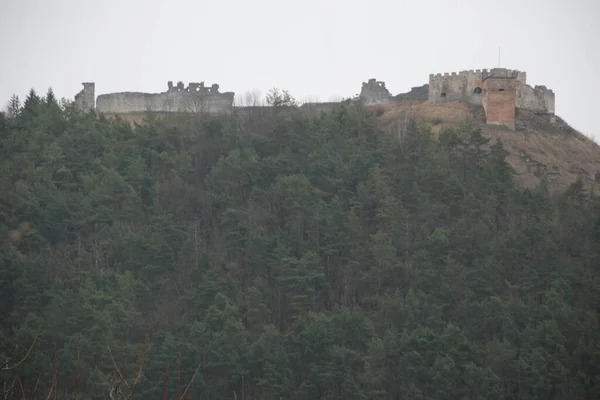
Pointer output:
x,y
316,48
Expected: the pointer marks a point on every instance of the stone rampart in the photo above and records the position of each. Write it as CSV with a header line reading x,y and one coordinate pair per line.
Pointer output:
x,y
417,93
466,86
456,86
128,102
194,98
538,99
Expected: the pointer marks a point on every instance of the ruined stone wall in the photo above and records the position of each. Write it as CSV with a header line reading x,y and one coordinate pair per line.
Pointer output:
x,y
418,93
537,99
85,99
128,102
374,92
194,98
500,100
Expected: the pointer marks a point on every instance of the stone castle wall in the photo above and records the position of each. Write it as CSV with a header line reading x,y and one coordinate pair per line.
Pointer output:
x,y
417,93
454,86
537,99
374,92
85,100
500,91
467,86
194,98
129,102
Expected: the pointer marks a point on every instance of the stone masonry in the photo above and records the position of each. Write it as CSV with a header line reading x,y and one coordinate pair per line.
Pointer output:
x,y
374,92
500,91
193,98
85,99
499,98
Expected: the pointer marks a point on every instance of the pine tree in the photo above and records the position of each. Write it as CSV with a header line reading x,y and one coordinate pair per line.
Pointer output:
x,y
50,98
31,105
14,107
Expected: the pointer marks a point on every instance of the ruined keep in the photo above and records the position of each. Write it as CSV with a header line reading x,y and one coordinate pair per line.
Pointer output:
x,y
374,92
85,99
193,98
500,91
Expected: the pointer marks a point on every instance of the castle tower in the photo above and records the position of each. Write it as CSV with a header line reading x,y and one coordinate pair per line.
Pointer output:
x,y
374,92
500,97
501,91
86,100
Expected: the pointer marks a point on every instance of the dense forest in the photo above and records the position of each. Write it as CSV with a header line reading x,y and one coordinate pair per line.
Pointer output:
x,y
273,255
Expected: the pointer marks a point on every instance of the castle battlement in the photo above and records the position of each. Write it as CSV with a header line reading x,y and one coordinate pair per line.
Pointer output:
x,y
462,73
193,87
496,89
505,73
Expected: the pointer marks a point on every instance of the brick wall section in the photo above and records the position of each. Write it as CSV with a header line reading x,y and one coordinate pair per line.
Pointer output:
x,y
499,101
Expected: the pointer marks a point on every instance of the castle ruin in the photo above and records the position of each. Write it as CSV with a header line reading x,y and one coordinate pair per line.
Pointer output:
x,y
499,91
193,98
85,99
374,92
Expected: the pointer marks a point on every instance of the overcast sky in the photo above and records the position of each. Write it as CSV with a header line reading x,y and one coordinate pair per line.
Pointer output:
x,y
314,48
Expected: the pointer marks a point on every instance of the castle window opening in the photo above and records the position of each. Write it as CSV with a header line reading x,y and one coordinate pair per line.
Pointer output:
x,y
477,90
443,94
501,90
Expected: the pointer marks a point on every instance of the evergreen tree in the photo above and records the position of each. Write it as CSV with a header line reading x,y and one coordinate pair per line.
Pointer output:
x,y
286,258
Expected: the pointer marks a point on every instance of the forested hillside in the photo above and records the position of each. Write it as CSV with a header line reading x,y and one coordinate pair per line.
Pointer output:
x,y
277,256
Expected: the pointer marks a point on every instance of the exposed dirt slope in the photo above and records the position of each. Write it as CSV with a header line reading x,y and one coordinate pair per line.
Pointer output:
x,y
538,147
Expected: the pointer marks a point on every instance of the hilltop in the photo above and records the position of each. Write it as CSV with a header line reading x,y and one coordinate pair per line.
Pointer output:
x,y
539,147
540,144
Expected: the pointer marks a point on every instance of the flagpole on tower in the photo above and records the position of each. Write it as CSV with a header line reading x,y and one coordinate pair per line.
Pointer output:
x,y
498,56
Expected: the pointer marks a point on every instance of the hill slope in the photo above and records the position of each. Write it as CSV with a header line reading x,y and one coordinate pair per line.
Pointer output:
x,y
537,148
282,257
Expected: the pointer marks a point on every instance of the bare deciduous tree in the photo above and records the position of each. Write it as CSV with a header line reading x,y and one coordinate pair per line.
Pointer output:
x,y
280,98
195,103
252,98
